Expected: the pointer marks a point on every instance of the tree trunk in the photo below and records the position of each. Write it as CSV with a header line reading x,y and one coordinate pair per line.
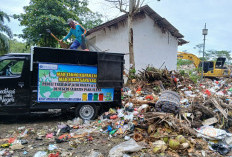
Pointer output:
x,y
131,42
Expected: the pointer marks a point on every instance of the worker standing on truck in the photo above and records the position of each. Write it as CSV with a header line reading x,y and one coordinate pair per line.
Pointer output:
x,y
78,31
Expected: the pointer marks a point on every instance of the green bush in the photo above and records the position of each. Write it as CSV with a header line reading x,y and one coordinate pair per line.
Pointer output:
x,y
194,76
183,62
182,72
132,73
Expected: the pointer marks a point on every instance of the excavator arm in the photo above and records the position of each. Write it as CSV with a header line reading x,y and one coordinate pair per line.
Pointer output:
x,y
183,55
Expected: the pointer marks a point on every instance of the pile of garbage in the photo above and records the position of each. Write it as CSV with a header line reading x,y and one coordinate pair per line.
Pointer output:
x,y
197,112
164,113
155,80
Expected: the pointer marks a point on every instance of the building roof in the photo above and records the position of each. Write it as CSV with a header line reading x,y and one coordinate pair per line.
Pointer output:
x,y
160,21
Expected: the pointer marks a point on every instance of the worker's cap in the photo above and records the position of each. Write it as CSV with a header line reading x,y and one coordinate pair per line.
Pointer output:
x,y
69,20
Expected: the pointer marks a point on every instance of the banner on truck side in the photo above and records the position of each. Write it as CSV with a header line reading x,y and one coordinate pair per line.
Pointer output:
x,y
70,83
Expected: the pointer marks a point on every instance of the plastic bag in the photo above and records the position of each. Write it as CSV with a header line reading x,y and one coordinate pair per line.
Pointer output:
x,y
189,94
129,117
95,154
120,113
52,147
75,121
212,133
124,147
143,108
40,154
220,148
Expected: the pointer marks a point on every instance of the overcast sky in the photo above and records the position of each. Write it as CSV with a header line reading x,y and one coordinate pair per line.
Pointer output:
x,y
188,16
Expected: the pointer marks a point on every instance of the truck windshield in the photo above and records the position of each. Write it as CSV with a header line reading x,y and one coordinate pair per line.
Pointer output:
x,y
10,67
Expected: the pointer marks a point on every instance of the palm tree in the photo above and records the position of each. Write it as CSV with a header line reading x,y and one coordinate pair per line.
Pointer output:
x,y
4,41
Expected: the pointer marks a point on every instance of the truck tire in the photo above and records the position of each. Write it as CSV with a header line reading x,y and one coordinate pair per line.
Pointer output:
x,y
86,111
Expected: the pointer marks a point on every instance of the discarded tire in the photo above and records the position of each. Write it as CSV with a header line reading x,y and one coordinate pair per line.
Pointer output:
x,y
169,102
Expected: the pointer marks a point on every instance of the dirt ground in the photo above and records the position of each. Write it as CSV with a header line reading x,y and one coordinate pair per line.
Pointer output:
x,y
9,124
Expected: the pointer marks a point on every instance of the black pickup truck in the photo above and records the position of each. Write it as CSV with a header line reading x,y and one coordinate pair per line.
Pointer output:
x,y
49,78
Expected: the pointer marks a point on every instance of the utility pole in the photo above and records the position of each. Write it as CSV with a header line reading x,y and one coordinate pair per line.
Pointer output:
x,y
204,32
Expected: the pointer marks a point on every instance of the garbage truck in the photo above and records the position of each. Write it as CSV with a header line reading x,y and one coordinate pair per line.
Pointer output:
x,y
50,78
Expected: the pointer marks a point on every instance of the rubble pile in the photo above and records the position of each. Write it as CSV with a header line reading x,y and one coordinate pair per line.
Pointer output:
x,y
155,80
164,114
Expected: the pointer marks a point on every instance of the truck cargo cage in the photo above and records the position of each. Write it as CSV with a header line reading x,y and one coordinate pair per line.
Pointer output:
x,y
109,65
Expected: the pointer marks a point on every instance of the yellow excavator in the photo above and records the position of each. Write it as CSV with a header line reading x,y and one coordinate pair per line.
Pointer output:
x,y
211,68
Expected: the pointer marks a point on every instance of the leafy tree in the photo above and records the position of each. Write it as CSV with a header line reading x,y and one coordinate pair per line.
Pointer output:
x,y
18,47
86,17
50,14
200,51
200,48
214,54
4,43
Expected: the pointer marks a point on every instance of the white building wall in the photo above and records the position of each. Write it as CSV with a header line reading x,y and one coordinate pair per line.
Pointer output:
x,y
151,46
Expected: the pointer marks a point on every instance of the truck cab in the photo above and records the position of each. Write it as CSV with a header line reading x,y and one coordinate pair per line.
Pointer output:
x,y
215,68
49,78
14,82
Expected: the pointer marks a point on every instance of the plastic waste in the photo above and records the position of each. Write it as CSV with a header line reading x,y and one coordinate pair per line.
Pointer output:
x,y
65,129
11,140
112,111
229,141
129,117
189,94
49,135
207,92
185,102
127,138
143,108
135,113
149,97
211,133
127,91
129,107
109,128
40,154
2,152
95,154
75,121
52,147
54,155
221,148
5,145
113,131
230,89
220,93
120,113
24,133
124,147
210,121
114,117
23,142
21,128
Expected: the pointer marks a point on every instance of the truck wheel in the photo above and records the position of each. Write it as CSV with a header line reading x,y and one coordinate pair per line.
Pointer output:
x,y
86,111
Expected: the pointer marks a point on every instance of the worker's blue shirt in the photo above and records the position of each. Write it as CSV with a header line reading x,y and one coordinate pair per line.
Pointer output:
x,y
77,32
